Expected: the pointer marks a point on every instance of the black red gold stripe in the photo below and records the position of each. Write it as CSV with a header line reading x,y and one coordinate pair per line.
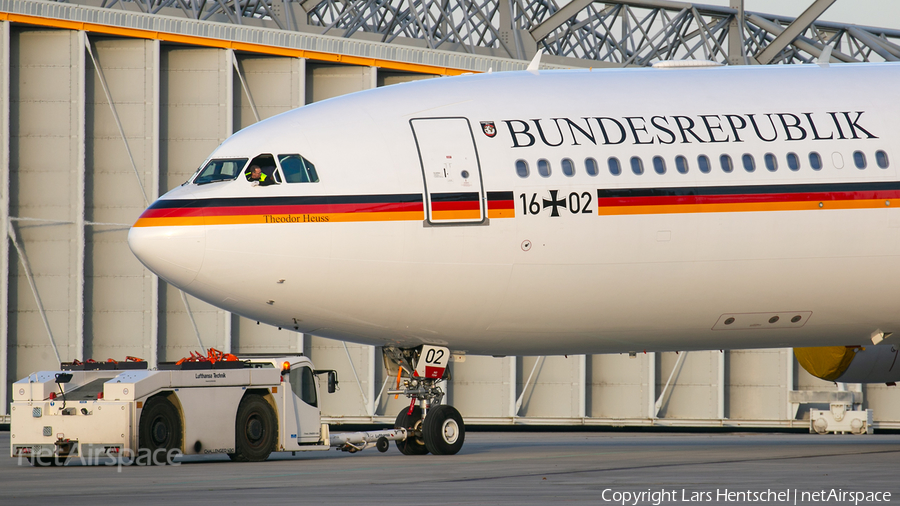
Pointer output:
x,y
501,205
455,206
747,198
312,209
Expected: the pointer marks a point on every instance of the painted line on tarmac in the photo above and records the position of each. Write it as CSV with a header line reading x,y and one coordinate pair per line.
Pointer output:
x,y
658,466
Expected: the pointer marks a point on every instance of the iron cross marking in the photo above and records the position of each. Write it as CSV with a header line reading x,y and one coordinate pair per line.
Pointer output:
x,y
554,203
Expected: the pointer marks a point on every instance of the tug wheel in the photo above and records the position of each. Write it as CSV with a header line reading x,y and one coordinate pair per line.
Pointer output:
x,y
256,430
159,432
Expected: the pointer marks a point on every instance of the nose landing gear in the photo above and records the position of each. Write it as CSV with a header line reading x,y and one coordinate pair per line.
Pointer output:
x,y
431,427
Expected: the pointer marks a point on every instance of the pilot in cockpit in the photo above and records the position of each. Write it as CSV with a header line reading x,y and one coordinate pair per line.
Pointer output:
x,y
256,176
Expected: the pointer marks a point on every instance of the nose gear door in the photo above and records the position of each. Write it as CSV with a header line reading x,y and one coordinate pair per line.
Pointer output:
x,y
453,188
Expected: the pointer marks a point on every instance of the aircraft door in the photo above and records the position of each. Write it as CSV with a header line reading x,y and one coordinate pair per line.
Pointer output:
x,y
450,167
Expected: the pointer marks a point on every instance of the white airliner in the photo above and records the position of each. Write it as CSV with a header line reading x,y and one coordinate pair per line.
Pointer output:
x,y
561,212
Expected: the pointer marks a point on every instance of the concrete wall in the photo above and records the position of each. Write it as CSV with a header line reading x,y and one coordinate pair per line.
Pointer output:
x,y
92,129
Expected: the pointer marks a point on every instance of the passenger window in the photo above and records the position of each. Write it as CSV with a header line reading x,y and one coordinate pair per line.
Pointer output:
x,y
544,168
859,159
303,383
262,171
659,165
881,159
220,170
637,165
615,168
590,166
522,168
815,161
703,163
681,164
793,161
298,169
727,164
749,162
568,167
771,162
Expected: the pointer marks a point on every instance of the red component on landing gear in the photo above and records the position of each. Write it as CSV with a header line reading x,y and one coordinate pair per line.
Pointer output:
x,y
434,372
412,406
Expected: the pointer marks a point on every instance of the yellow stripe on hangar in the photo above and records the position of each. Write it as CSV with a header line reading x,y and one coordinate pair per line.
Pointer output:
x,y
228,44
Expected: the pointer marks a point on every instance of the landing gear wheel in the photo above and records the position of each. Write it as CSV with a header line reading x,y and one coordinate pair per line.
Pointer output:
x,y
255,430
159,432
444,431
412,445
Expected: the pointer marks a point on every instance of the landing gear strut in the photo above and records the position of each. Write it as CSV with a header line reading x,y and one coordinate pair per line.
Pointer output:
x,y
431,427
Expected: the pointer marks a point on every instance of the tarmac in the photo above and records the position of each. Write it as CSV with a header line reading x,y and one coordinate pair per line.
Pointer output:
x,y
515,468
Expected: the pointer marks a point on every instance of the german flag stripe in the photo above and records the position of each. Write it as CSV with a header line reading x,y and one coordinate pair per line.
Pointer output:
x,y
312,209
285,201
286,209
455,206
456,215
278,218
501,205
746,198
456,197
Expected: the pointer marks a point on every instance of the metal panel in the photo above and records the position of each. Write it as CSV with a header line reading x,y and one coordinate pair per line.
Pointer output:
x,y
356,371
618,386
195,117
555,390
273,83
117,291
883,400
756,384
250,337
692,392
387,78
327,81
5,380
46,163
79,207
484,387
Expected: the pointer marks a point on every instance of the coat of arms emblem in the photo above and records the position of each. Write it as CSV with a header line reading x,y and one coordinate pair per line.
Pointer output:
x,y
489,129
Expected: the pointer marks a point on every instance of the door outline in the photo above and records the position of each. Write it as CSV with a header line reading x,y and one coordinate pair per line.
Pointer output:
x,y
426,196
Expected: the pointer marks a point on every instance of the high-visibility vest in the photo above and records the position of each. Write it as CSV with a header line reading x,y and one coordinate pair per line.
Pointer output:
x,y
262,175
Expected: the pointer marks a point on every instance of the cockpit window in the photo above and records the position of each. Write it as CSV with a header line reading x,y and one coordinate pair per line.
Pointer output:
x,y
225,169
262,171
298,169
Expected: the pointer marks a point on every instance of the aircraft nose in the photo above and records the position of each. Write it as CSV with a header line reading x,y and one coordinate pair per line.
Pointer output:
x,y
174,253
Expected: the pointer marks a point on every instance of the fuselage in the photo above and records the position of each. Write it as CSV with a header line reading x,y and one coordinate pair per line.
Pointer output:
x,y
558,212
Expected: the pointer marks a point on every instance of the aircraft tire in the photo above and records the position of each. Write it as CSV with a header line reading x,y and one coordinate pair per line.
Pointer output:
x,y
444,431
255,430
159,432
412,445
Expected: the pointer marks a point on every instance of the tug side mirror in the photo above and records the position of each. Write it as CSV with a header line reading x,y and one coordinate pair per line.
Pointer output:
x,y
332,379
